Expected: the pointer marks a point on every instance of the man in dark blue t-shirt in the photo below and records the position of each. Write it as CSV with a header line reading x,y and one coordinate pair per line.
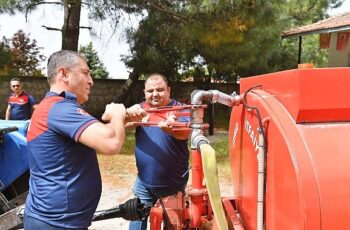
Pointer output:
x,y
161,153
20,103
65,181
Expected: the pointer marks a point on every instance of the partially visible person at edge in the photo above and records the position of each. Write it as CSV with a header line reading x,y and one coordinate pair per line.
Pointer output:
x,y
20,103
65,182
161,153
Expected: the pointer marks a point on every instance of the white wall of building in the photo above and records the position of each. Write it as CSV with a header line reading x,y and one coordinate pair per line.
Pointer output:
x,y
338,58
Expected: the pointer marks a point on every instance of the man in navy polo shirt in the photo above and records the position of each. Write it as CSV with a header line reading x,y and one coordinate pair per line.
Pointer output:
x,y
20,103
161,153
65,181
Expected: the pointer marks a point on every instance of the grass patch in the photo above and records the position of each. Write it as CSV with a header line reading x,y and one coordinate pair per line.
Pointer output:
x,y
221,149
222,158
129,144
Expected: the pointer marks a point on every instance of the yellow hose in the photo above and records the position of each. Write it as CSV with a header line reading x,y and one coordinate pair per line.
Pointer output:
x,y
211,179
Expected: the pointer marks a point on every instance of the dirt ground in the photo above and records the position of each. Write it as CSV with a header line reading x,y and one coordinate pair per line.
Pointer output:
x,y
118,177
117,183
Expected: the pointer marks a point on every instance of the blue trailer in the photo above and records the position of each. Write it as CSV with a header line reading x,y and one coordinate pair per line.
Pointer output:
x,y
14,173
14,181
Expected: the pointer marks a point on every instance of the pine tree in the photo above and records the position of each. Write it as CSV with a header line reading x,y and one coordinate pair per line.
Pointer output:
x,y
98,70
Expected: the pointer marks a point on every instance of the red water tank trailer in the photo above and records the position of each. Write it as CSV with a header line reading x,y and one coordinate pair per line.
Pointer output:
x,y
305,183
288,147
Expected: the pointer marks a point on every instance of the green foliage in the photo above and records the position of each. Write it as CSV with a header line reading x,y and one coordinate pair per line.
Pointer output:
x,y
230,38
221,147
20,56
7,6
5,54
206,39
157,48
98,70
315,55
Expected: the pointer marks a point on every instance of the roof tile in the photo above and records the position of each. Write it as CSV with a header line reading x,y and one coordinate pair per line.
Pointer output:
x,y
332,24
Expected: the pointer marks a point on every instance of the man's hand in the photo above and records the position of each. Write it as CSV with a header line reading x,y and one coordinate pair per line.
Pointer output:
x,y
135,113
112,110
166,125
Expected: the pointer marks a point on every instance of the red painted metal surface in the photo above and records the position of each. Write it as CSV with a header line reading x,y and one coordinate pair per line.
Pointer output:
x,y
190,211
309,95
197,193
232,218
306,116
156,218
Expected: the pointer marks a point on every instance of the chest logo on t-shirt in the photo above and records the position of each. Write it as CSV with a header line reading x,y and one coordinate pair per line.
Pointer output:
x,y
81,111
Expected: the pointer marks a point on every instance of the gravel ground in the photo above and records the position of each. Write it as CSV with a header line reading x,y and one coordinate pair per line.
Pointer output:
x,y
111,197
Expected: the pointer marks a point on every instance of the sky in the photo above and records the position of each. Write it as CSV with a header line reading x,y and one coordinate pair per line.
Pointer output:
x,y
343,9
109,48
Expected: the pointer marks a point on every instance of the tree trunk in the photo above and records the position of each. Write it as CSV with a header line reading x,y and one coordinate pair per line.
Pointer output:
x,y
70,29
127,86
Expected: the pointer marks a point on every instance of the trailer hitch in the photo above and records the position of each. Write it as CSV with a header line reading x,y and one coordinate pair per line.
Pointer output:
x,y
132,210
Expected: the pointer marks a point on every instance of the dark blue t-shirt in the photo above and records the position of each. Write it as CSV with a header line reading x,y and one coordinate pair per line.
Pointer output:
x,y
65,181
161,159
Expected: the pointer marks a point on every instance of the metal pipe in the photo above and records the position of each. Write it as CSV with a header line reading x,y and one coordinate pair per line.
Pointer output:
x,y
197,96
197,114
261,181
299,50
214,96
197,139
197,170
225,99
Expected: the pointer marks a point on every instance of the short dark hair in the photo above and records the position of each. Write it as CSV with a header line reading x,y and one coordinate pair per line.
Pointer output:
x,y
157,74
62,58
16,79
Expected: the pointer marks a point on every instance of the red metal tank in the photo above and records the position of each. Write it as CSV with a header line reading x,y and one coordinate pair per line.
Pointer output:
x,y
306,118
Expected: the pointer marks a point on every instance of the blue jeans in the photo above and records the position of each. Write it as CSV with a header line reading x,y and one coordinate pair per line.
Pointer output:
x,y
34,224
147,195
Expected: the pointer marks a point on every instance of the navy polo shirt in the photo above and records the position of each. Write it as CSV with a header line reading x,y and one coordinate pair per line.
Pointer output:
x,y
21,106
161,159
65,181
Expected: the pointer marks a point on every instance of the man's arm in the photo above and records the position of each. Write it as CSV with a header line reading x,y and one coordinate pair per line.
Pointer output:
x,y
8,112
32,103
106,138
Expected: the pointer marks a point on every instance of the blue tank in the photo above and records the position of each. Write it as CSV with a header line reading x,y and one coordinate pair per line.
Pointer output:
x,y
13,151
